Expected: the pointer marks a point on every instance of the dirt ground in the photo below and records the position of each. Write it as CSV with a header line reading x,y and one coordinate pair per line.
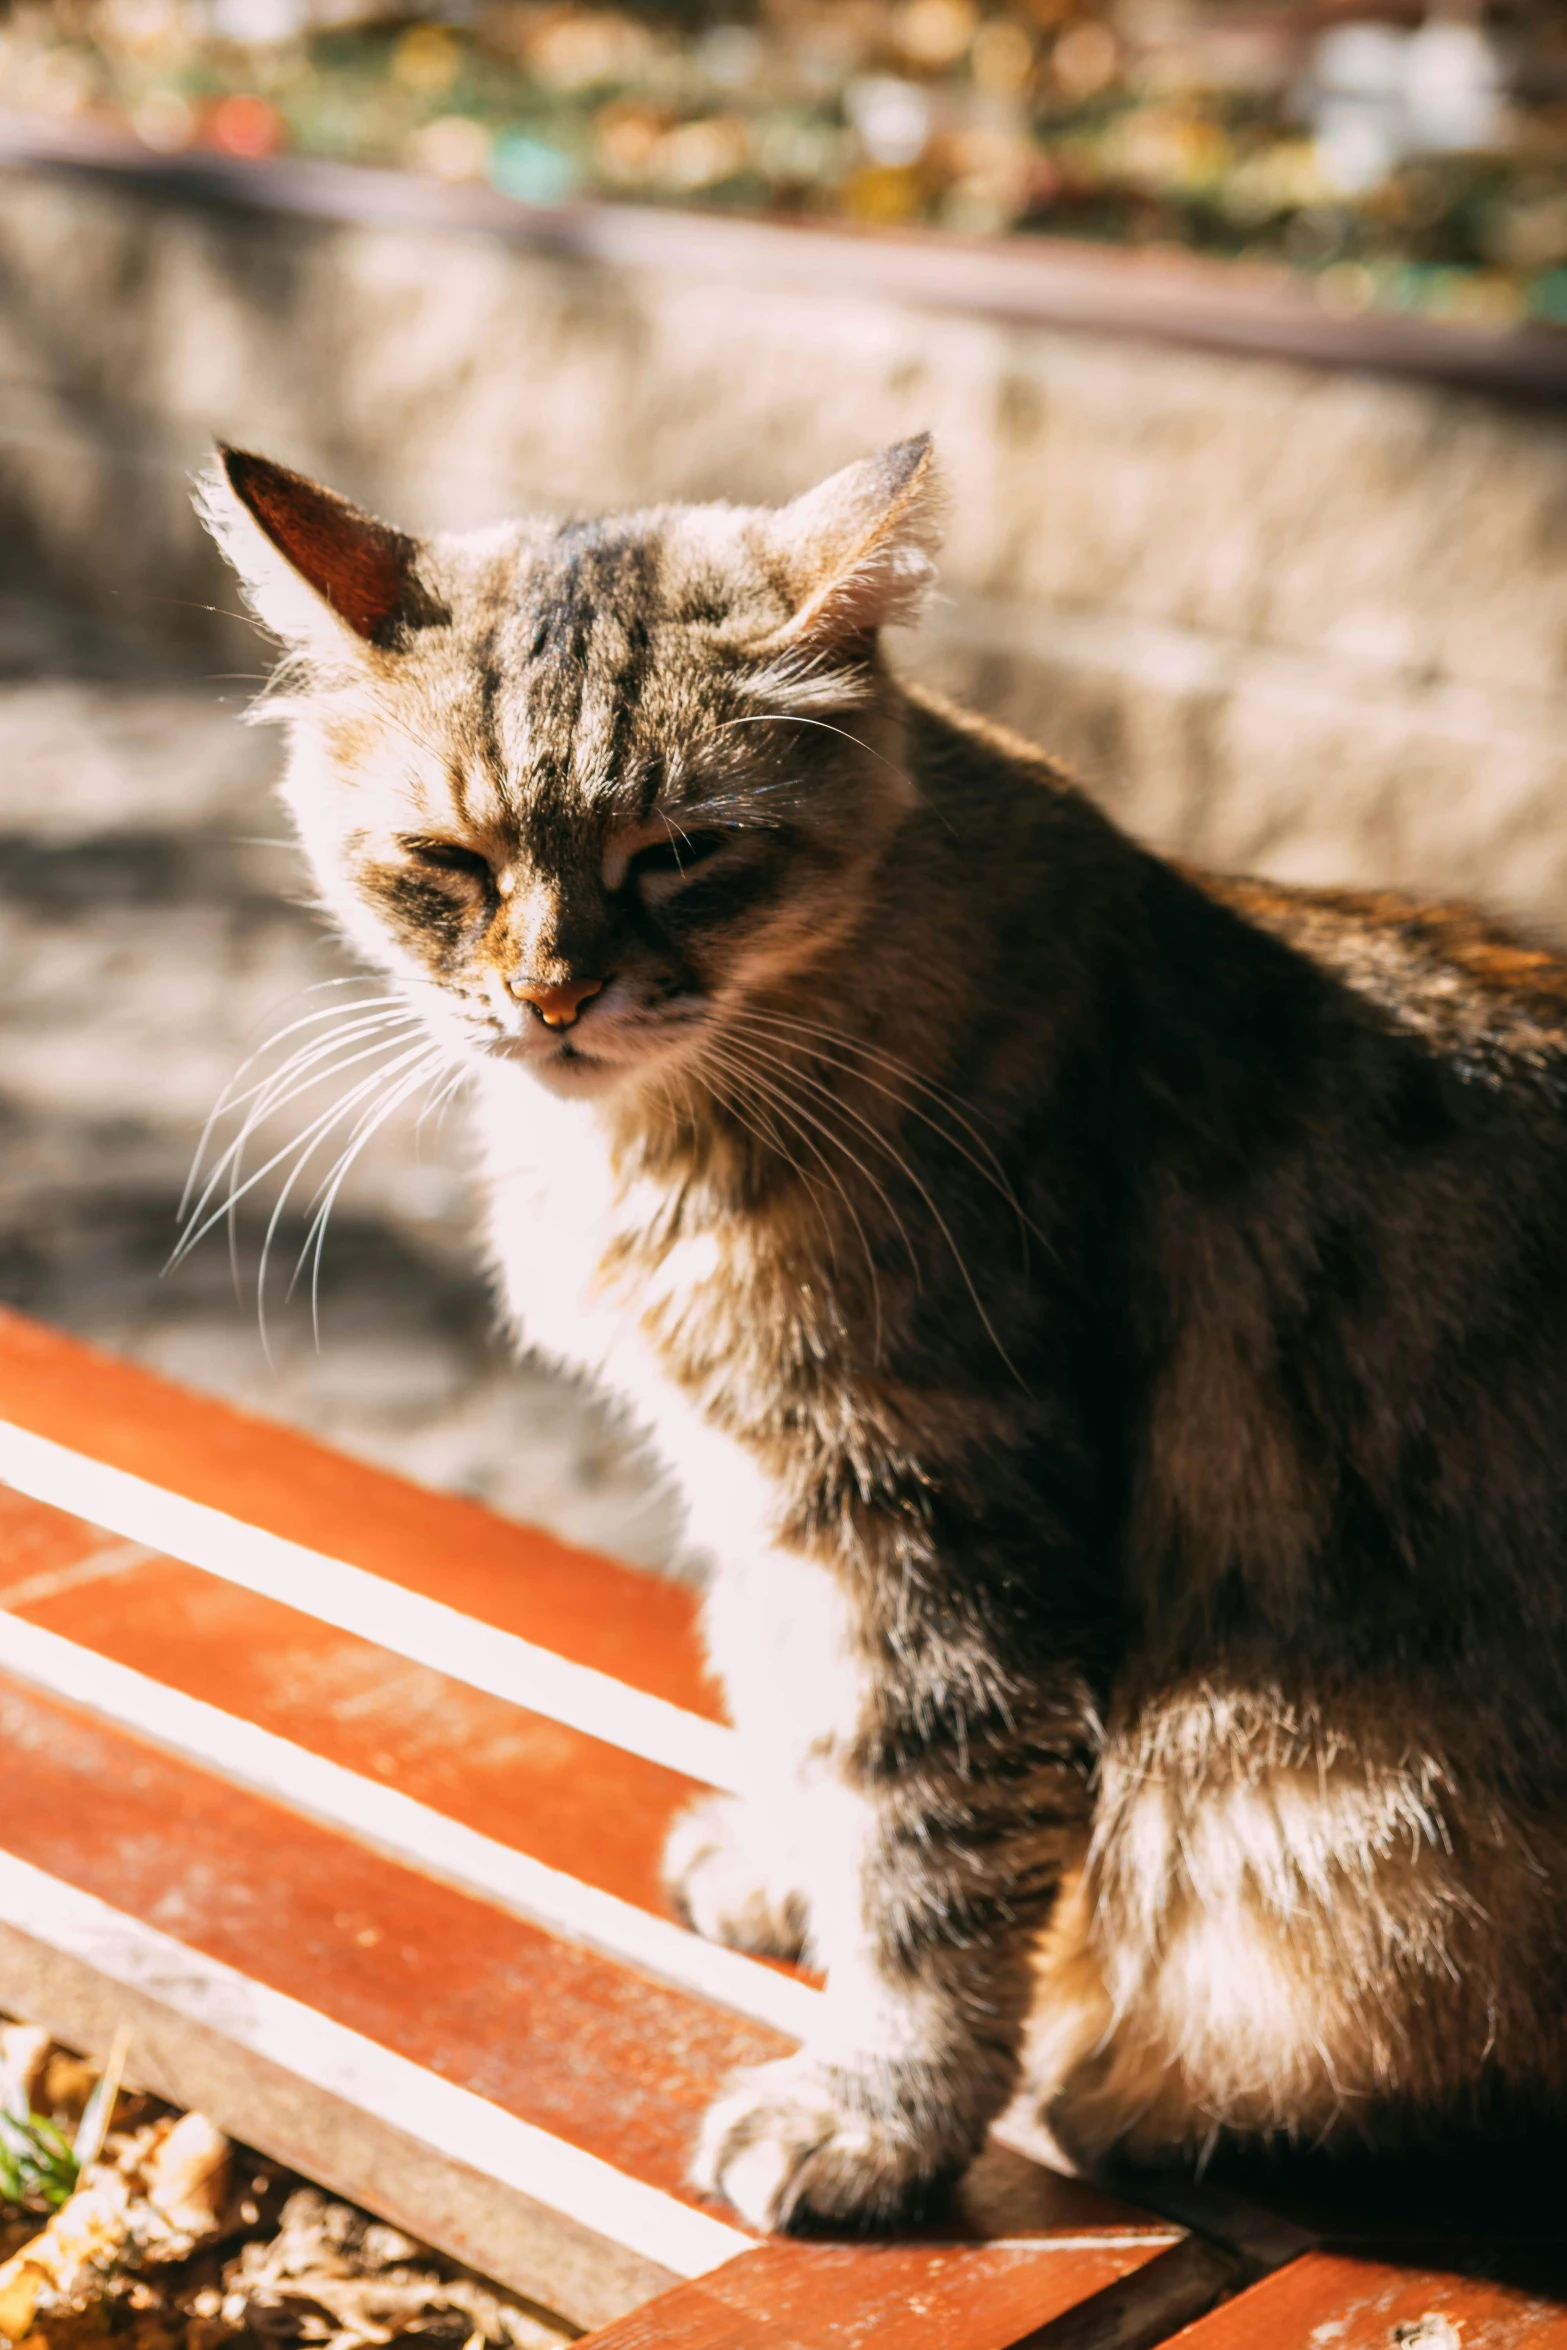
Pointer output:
x,y
172,2237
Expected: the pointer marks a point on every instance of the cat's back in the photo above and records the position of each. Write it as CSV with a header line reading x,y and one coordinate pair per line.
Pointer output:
x,y
1442,972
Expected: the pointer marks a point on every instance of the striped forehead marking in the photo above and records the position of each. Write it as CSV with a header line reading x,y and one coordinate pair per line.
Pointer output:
x,y
583,645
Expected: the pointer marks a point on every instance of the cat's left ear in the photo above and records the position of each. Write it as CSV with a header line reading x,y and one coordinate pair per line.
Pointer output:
x,y
317,570
859,550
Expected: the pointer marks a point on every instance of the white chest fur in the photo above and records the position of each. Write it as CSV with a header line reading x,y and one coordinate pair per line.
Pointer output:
x,y
553,1215
777,1624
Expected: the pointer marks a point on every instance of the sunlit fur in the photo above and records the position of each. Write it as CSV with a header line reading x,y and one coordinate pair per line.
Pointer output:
x,y
1109,1326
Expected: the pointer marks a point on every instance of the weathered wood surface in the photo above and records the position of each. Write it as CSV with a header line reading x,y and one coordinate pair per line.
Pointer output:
x,y
284,1963
512,1577
802,2296
560,2036
1339,2301
573,1801
403,1931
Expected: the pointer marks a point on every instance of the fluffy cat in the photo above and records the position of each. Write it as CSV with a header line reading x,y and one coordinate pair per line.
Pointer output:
x,y
1109,1325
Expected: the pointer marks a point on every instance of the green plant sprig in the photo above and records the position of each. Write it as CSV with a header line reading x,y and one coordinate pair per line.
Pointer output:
x,y
37,2167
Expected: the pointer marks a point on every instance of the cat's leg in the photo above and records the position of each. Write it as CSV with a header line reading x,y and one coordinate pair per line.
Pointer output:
x,y
736,1867
930,1857
1299,1922
733,1874
924,1921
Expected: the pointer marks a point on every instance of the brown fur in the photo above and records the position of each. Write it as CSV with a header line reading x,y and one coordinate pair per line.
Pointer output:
x,y
1110,1324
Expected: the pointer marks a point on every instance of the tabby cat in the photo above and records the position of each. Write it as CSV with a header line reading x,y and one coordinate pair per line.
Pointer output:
x,y
1108,1323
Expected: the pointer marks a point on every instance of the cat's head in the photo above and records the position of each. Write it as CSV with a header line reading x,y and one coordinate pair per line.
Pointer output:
x,y
588,787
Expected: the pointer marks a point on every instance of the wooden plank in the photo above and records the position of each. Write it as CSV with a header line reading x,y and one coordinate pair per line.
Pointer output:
x,y
1007,2197
529,1814
1443,2205
573,1801
539,2215
634,1627
45,1550
519,2097
404,1830
808,2296
591,2051
264,1906
591,2059
350,2112
1144,2308
570,1800
1260,2229
1262,308
413,1623
1340,2301
594,2058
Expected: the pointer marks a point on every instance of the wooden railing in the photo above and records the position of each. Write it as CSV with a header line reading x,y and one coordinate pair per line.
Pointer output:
x,y
347,1799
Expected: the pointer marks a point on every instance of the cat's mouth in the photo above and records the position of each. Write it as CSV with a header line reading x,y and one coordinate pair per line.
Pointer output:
x,y
593,1058
567,1067
578,1066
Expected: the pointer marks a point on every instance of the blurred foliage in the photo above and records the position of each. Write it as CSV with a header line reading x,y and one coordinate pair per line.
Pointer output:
x,y
1404,156
38,2170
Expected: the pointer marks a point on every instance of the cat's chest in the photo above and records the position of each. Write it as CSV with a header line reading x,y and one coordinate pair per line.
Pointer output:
x,y
552,1218
585,1290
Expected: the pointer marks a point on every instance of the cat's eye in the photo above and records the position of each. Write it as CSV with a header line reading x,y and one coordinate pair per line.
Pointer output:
x,y
664,865
446,856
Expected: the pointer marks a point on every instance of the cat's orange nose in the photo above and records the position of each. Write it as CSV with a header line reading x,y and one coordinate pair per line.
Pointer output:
x,y
556,1004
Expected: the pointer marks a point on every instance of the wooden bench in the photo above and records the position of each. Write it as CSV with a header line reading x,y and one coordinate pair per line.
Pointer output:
x,y
347,1798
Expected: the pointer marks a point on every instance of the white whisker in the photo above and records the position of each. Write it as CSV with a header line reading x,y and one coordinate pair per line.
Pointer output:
x,y
881,1141
430,1067
743,1076
313,1133
438,1104
985,1164
758,1124
741,1056
229,1100
798,718
318,1065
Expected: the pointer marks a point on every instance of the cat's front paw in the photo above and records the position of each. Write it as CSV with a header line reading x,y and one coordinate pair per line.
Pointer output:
x,y
805,2141
717,1877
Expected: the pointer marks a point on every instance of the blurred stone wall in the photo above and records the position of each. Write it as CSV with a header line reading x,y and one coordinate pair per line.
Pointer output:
x,y
1306,623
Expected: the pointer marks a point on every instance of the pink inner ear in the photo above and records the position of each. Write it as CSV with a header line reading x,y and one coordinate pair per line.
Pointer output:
x,y
362,567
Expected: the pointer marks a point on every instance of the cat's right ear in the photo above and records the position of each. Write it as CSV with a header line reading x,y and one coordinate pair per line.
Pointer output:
x,y
318,571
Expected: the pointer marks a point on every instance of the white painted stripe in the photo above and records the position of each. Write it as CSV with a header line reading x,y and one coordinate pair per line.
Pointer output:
x,y
328,2056
403,1828
425,1630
